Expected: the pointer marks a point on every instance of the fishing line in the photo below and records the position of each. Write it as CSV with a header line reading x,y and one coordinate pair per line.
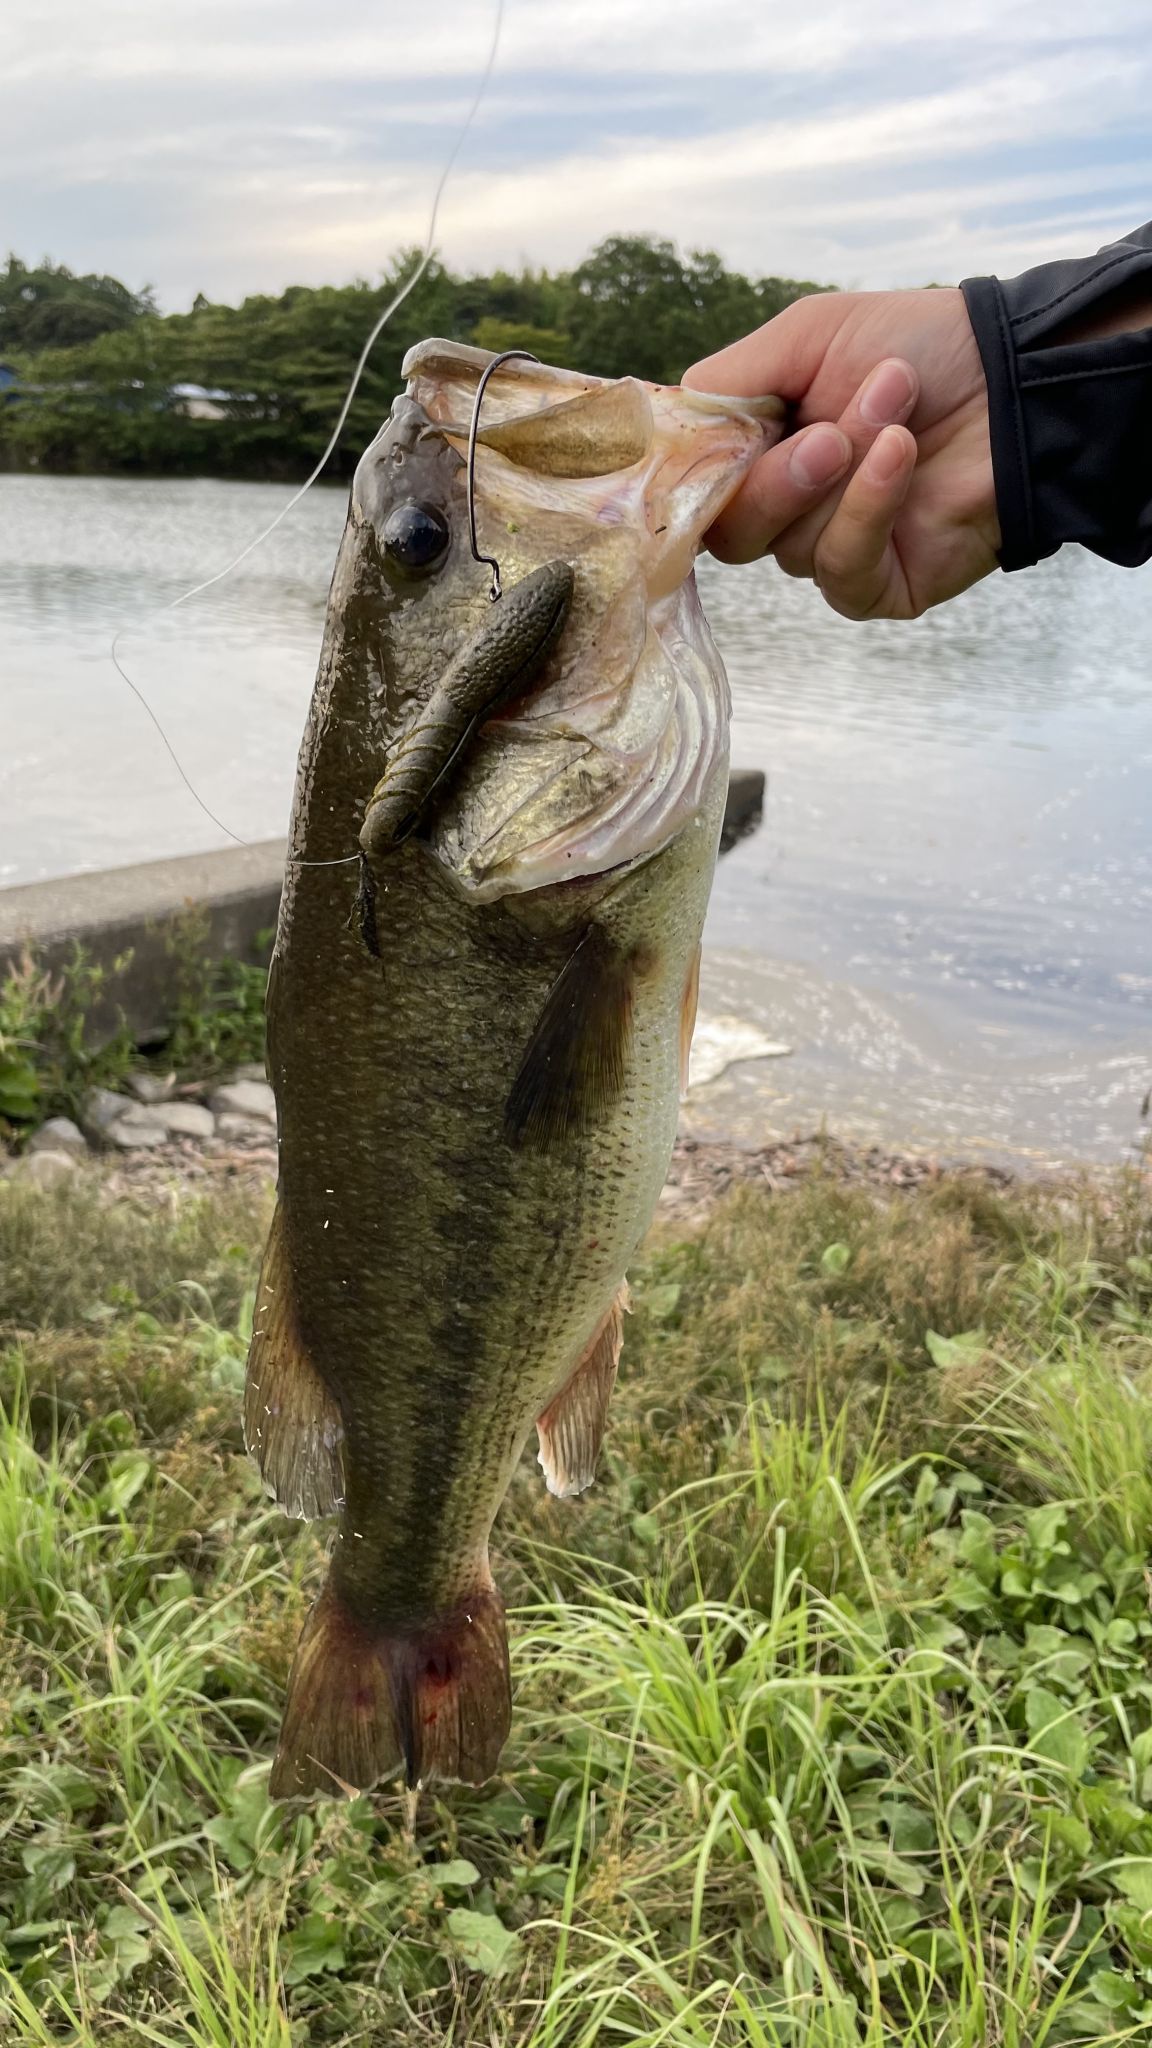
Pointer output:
x,y
209,581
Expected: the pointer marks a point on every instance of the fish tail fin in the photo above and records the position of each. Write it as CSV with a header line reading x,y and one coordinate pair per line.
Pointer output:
x,y
364,1701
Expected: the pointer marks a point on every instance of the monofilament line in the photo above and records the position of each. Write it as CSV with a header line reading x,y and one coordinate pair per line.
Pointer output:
x,y
392,307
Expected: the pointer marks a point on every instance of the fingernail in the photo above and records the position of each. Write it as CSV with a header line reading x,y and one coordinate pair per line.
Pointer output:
x,y
888,394
885,457
818,457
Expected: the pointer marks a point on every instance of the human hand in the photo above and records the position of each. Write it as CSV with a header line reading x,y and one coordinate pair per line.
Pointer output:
x,y
884,495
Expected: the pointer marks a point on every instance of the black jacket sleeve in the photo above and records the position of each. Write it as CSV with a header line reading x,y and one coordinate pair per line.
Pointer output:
x,y
1071,422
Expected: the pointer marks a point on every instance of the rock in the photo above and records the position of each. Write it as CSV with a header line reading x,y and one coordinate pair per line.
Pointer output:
x,y
186,1119
43,1169
59,1134
102,1106
252,1070
244,1098
151,1087
247,1129
743,806
719,1042
137,1132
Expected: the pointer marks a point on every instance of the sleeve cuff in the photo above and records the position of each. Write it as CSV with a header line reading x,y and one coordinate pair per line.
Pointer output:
x,y
1070,421
989,316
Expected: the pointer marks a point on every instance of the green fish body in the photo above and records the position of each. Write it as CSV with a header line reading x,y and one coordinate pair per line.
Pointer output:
x,y
477,1030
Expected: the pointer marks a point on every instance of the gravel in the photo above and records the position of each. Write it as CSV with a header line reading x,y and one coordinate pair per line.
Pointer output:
x,y
59,1134
244,1098
151,1087
186,1119
137,1133
243,1129
102,1107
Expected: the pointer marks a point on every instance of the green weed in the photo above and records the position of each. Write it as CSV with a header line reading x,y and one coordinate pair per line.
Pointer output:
x,y
50,1054
833,1718
48,1057
217,1010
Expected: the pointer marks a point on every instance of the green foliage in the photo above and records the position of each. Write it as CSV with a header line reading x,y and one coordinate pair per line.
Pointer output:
x,y
48,1055
217,1017
550,344
102,398
57,1038
638,308
49,307
833,1718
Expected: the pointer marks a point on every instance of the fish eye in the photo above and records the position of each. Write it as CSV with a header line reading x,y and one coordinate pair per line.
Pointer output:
x,y
414,537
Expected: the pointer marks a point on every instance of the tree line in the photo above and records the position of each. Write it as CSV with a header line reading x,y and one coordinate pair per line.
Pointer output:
x,y
89,369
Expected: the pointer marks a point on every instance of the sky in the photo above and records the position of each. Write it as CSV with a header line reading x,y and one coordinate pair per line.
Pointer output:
x,y
231,146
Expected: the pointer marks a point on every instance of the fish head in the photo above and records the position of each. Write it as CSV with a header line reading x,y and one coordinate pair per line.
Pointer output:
x,y
614,746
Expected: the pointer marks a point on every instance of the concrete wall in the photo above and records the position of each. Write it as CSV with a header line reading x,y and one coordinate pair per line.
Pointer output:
x,y
134,909
238,890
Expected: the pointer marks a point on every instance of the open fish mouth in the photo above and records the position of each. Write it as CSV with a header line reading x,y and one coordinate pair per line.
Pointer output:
x,y
613,749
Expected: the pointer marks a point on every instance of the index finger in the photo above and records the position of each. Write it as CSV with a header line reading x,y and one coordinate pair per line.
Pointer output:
x,y
780,488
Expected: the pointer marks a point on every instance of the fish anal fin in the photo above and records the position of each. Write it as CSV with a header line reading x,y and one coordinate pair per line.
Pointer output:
x,y
293,1428
571,1429
364,1702
574,1064
689,1003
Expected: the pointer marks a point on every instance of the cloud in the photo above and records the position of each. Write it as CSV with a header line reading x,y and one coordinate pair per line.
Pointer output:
x,y
237,145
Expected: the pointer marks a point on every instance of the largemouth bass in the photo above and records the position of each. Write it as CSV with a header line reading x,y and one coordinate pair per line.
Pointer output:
x,y
477,1031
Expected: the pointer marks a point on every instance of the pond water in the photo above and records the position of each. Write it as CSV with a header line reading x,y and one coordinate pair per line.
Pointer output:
x,y
945,914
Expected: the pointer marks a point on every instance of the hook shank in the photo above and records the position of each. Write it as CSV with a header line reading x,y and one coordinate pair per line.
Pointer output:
x,y
510,354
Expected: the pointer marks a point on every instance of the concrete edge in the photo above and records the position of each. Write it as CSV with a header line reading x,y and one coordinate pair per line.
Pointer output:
x,y
235,891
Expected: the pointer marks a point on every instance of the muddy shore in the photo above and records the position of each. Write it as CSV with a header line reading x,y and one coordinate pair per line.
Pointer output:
x,y
701,1171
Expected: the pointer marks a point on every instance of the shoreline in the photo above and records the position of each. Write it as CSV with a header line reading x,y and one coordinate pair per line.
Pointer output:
x,y
701,1172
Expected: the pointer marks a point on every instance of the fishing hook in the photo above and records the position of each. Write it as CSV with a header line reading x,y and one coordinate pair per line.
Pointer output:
x,y
510,354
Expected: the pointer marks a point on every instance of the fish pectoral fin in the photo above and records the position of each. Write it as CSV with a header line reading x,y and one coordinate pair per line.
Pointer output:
x,y
365,1700
292,1424
573,1067
689,1003
571,1429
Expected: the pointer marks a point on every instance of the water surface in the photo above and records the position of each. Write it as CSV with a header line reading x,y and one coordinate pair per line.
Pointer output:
x,y
946,912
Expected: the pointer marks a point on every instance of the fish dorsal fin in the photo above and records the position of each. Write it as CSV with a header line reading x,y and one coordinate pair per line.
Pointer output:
x,y
292,1424
574,1064
571,1428
595,434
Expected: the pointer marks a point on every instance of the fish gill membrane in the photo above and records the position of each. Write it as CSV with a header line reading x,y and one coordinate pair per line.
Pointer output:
x,y
478,1046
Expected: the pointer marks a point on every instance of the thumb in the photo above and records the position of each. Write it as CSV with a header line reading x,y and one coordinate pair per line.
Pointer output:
x,y
782,357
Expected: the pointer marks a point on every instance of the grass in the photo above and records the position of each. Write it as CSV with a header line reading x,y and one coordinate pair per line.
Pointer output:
x,y
834,1716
